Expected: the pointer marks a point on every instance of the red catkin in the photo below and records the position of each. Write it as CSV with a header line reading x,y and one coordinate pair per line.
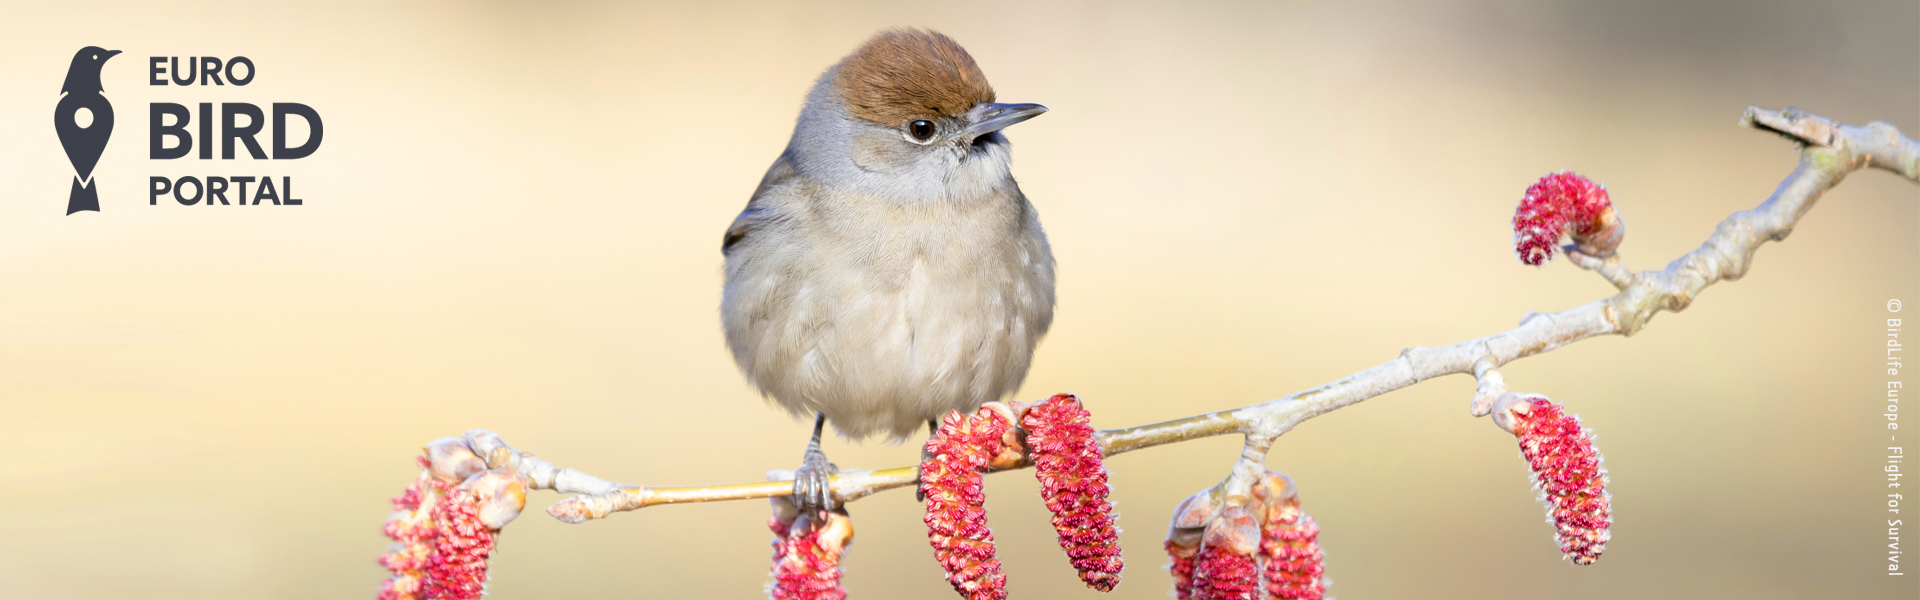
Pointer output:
x,y
1073,483
458,567
441,547
1567,472
806,557
956,503
1219,573
1562,204
1295,566
1290,553
1182,569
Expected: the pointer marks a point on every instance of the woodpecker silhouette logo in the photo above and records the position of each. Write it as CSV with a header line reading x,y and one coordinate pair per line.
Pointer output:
x,y
84,121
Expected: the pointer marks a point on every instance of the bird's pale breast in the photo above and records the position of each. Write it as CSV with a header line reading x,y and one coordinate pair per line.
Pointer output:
x,y
883,316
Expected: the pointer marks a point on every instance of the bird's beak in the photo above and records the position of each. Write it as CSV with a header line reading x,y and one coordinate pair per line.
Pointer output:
x,y
989,117
109,54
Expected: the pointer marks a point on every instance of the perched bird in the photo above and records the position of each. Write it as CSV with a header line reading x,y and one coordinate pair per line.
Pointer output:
x,y
888,270
84,143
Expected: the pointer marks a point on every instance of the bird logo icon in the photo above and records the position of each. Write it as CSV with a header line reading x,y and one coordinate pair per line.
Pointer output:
x,y
84,121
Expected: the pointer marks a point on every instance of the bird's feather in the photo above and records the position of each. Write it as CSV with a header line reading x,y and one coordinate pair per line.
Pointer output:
x,y
906,74
755,213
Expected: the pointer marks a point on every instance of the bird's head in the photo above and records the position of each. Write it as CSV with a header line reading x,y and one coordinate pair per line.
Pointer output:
x,y
84,74
908,116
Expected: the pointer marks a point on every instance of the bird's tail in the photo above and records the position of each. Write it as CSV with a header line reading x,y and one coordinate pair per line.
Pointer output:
x,y
82,198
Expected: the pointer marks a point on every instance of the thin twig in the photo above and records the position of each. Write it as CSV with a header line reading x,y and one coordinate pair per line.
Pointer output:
x,y
1830,152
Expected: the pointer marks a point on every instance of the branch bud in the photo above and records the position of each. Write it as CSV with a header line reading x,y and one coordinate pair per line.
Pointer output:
x,y
1234,529
1190,521
501,494
451,460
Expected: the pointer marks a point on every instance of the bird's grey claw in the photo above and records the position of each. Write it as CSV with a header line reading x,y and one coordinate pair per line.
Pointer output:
x,y
812,485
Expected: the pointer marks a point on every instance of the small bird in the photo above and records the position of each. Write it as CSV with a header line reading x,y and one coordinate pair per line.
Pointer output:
x,y
84,143
888,270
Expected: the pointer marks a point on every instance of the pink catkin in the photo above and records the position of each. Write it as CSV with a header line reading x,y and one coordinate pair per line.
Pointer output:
x,y
1182,569
1073,483
1559,204
1221,574
956,503
1566,470
442,547
1295,566
803,568
458,568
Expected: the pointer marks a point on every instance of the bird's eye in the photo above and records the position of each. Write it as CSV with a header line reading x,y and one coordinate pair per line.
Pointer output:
x,y
920,129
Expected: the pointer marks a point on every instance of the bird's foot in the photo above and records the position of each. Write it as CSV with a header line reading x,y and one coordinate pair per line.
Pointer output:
x,y
812,487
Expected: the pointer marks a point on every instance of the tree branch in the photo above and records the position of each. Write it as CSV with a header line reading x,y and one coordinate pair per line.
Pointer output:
x,y
1829,153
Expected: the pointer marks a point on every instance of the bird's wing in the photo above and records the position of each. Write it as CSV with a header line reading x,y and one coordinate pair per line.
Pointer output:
x,y
757,211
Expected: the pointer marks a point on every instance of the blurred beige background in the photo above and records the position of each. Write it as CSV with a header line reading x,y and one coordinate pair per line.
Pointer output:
x,y
514,222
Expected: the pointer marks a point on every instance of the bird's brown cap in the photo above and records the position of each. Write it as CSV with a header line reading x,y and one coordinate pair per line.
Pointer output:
x,y
906,74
